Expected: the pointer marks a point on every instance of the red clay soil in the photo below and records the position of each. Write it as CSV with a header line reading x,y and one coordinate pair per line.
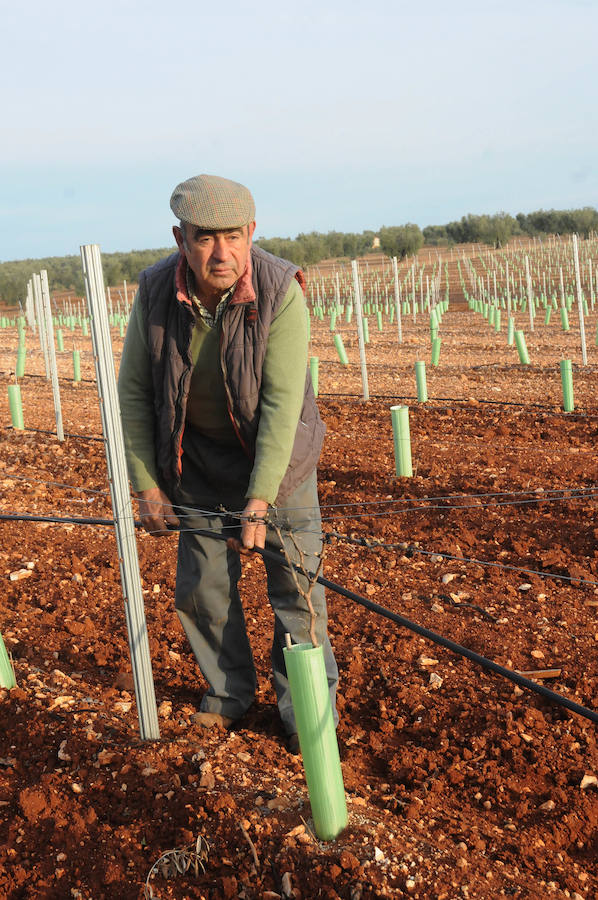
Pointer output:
x,y
458,783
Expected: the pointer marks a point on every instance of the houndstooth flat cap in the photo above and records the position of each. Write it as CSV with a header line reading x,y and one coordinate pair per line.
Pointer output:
x,y
213,203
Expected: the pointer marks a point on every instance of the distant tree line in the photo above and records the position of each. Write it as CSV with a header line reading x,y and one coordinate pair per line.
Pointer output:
x,y
497,230
65,274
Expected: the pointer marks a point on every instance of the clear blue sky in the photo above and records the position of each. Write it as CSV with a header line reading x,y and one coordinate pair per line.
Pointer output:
x,y
338,115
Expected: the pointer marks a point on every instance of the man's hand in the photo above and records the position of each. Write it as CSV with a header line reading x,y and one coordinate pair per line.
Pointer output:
x,y
253,530
155,510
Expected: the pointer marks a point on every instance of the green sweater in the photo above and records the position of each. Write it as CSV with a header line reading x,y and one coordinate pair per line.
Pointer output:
x,y
283,381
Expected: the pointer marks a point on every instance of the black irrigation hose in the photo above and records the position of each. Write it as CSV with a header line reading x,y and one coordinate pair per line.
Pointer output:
x,y
83,437
482,661
519,680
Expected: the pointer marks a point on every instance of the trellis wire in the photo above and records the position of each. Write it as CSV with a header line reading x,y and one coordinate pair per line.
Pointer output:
x,y
119,489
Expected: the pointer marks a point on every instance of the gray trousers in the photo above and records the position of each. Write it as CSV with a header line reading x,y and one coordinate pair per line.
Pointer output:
x,y
209,606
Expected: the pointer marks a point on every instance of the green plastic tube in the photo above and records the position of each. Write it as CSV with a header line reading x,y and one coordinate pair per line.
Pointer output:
x,y
402,440
121,327
420,380
317,738
348,314
84,328
333,320
567,383
7,674
379,320
366,330
340,349
436,350
564,318
497,320
510,331
20,366
59,340
16,406
313,371
491,315
521,348
76,365
547,315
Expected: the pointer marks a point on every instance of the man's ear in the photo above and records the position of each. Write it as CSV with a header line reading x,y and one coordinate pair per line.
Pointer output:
x,y
250,230
178,236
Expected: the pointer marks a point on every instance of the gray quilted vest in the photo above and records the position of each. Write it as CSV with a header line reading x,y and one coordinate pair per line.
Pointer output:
x,y
244,338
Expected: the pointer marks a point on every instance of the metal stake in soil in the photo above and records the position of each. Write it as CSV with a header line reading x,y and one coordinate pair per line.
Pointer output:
x,y
119,491
49,331
360,335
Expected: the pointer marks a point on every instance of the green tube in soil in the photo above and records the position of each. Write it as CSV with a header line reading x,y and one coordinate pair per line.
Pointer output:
x,y
511,331
84,328
521,348
59,340
402,440
7,674
379,320
313,371
497,320
340,349
567,383
436,350
547,315
433,334
121,327
564,318
366,330
420,380
333,320
16,406
491,315
76,365
21,355
317,738
348,314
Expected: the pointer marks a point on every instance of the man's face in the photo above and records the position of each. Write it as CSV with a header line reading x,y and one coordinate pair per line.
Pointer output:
x,y
216,258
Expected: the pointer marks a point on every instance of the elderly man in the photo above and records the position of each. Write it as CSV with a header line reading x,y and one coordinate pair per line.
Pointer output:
x,y
219,416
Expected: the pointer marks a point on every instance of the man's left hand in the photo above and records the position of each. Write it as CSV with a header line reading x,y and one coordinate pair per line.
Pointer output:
x,y
253,530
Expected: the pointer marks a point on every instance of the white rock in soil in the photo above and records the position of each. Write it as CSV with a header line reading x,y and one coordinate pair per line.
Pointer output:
x,y
378,854
437,608
525,587
20,574
435,680
588,781
548,806
427,661
448,577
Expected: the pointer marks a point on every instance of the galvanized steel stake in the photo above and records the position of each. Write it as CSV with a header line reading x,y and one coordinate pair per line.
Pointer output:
x,y
119,491
49,332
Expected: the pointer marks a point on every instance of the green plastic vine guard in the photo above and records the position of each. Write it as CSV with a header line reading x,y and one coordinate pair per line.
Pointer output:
x,y
317,738
379,320
16,406
340,349
436,342
333,320
21,356
313,370
521,348
420,380
567,384
7,674
402,441
564,318
547,315
76,365
59,340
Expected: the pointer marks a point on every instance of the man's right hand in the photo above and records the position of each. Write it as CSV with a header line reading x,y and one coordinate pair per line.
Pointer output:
x,y
156,512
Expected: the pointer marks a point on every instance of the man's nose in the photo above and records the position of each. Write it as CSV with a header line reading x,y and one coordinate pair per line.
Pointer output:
x,y
220,249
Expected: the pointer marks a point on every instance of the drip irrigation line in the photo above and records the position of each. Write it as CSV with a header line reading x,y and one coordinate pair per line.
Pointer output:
x,y
483,661
83,437
550,408
363,542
